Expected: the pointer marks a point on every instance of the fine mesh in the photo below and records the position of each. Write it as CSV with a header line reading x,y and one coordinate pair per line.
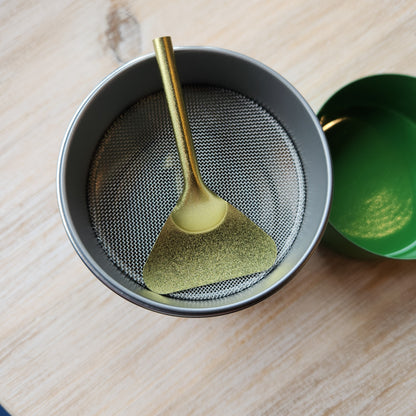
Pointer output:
x,y
244,155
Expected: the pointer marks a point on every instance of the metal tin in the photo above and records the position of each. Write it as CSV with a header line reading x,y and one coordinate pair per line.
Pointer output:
x,y
370,125
197,66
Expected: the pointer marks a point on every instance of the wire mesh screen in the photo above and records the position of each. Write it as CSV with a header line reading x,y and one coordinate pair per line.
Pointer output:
x,y
245,156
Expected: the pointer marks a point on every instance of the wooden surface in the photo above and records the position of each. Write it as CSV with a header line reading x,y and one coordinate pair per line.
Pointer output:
x,y
340,339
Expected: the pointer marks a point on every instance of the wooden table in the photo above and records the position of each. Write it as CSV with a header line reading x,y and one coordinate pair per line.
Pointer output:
x,y
340,339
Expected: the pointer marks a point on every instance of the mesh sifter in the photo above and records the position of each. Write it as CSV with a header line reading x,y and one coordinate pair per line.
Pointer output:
x,y
259,147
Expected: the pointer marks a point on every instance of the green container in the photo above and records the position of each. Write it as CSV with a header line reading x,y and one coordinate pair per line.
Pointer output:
x,y
370,126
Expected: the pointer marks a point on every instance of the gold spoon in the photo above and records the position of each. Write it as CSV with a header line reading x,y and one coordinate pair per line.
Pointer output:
x,y
205,239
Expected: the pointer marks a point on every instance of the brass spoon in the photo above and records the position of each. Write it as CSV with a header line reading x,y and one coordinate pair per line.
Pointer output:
x,y
205,239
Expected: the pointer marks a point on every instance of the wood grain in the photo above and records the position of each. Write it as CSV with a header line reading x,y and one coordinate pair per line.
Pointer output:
x,y
340,339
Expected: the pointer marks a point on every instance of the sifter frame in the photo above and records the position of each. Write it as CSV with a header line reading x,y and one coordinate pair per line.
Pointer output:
x,y
99,109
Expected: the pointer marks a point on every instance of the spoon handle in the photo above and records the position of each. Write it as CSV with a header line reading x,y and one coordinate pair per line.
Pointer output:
x,y
173,91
